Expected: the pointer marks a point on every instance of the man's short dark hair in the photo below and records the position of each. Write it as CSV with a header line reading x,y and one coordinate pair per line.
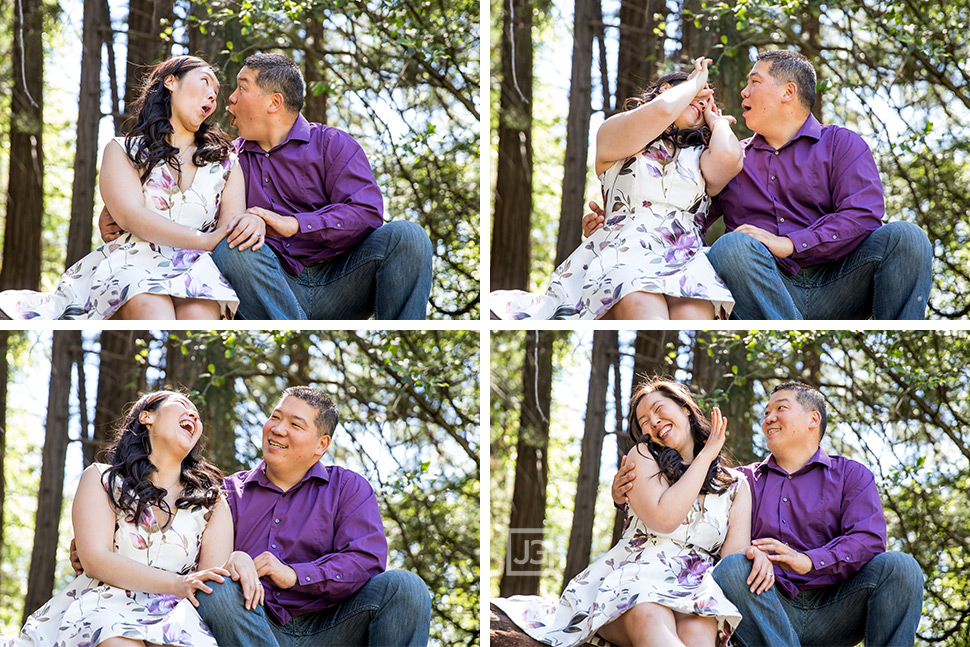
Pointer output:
x,y
278,73
811,399
326,418
792,67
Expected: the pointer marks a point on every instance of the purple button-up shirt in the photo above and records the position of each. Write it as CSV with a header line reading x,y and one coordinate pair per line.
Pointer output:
x,y
327,528
829,510
320,176
822,190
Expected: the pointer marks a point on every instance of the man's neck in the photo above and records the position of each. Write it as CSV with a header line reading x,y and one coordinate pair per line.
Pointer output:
x,y
785,130
794,460
284,482
277,132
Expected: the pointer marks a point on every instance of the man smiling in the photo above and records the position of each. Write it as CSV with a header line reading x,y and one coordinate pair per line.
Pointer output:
x,y
316,538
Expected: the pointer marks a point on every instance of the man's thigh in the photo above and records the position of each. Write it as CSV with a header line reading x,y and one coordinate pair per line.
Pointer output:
x,y
838,290
831,617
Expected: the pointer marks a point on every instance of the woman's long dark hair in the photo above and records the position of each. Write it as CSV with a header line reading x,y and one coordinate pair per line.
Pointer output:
x,y
146,143
668,459
676,137
130,467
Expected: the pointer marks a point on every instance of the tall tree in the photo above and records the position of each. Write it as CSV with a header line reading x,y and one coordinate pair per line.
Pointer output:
x,y
147,20
4,375
640,49
25,192
585,15
531,469
513,185
40,582
605,348
316,95
88,118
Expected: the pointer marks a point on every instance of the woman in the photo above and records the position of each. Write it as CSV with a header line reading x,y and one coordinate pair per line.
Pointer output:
x,y
655,587
176,190
152,527
658,164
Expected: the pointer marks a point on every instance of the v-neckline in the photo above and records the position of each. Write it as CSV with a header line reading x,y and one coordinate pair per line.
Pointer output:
x,y
171,519
174,175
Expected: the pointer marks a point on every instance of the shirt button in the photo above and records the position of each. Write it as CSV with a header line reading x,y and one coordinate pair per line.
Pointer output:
x,y
307,579
265,179
772,177
336,577
803,245
339,225
309,227
783,521
789,478
776,152
821,563
267,154
784,499
277,520
834,236
274,545
782,220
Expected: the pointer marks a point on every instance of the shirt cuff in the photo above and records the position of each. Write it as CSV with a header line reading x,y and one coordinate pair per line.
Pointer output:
x,y
803,241
825,561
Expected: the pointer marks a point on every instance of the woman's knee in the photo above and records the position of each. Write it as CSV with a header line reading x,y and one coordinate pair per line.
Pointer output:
x,y
121,642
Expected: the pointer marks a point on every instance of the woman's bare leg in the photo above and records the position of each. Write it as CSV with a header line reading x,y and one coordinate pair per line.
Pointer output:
x,y
196,309
645,625
687,308
696,631
121,642
146,306
639,305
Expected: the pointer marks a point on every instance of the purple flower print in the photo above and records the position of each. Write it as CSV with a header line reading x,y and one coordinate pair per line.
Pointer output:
x,y
657,153
689,287
185,257
162,604
681,244
692,570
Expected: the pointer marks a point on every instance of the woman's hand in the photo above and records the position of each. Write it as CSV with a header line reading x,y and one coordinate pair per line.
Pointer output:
x,y
187,585
700,72
715,441
242,569
210,239
712,115
762,575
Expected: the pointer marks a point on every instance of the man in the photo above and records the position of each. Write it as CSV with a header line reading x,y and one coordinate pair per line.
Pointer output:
x,y
820,520
328,254
316,537
804,235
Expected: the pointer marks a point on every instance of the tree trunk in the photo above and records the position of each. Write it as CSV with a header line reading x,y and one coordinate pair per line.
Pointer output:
x,y
581,535
513,185
120,380
577,130
40,581
640,51
4,374
86,150
145,45
316,100
25,193
523,563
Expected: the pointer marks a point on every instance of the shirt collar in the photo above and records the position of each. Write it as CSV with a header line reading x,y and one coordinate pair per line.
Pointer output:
x,y
811,128
769,463
258,476
300,132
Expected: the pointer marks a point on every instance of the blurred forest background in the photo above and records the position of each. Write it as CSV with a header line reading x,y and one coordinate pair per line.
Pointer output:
x,y
895,72
899,402
409,424
401,76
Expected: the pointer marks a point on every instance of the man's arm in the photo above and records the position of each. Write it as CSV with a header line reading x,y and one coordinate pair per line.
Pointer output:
x,y
863,533
360,551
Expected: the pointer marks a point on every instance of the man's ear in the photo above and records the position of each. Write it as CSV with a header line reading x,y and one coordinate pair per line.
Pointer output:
x,y
276,103
324,445
790,94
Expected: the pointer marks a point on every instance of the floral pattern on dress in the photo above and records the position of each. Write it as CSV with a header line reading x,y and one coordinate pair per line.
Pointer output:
x,y
652,241
101,282
89,611
672,569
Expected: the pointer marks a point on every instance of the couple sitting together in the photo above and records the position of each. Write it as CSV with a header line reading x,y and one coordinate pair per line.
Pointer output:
x,y
289,553
180,242
802,204
786,552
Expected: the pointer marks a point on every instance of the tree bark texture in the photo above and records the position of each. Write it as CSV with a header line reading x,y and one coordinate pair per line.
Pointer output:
x,y
511,227
25,192
145,44
40,581
4,373
523,563
640,51
121,379
577,130
316,103
605,348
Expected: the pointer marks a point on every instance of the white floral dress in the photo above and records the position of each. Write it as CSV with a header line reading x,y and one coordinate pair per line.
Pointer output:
x,y
101,282
672,569
652,241
88,611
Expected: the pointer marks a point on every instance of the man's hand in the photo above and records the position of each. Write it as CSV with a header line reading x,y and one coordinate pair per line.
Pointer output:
x,y
108,227
268,565
623,482
75,560
276,225
762,575
243,570
247,231
779,246
788,558
593,221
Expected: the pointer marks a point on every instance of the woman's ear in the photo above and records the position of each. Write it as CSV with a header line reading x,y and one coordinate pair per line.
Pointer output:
x,y
146,418
170,82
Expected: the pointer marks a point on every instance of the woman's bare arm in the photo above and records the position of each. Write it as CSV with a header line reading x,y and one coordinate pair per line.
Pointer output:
x,y
217,537
723,157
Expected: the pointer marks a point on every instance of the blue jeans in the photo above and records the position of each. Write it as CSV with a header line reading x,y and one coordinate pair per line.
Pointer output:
x,y
388,275
887,276
881,604
393,609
